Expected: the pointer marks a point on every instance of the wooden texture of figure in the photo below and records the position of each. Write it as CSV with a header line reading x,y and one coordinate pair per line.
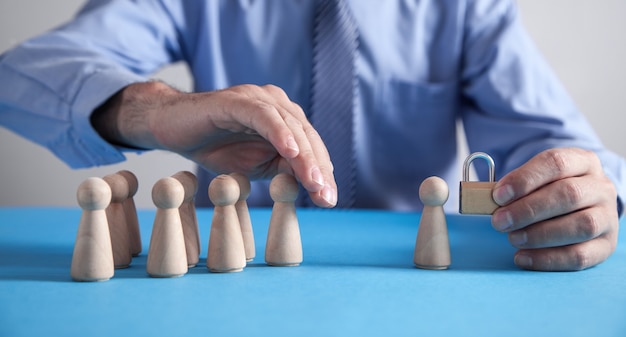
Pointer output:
x,y
92,259
167,256
284,246
432,246
130,210
226,251
120,239
243,213
188,216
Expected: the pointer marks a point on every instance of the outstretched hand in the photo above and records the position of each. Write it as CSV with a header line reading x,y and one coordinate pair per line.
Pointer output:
x,y
559,209
254,130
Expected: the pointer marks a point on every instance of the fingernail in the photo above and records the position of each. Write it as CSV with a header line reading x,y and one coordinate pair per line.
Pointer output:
x,y
329,196
502,220
518,238
317,177
503,194
523,260
292,145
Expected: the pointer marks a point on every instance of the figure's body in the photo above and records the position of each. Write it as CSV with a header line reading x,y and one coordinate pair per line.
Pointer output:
x,y
116,215
226,251
188,216
432,246
284,246
92,259
166,255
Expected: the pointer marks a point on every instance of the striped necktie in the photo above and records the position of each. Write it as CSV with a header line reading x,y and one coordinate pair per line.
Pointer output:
x,y
335,41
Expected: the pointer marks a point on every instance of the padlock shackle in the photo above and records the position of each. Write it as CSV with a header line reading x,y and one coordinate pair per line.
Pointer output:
x,y
482,155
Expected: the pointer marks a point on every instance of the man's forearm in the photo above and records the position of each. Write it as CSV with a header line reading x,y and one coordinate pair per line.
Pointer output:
x,y
125,118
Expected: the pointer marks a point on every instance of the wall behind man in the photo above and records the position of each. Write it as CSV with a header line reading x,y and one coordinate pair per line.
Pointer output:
x,y
584,41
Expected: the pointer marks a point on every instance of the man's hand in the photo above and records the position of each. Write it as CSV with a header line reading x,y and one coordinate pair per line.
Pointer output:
x,y
559,209
257,131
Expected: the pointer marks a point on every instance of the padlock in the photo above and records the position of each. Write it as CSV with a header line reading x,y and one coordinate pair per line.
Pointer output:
x,y
475,197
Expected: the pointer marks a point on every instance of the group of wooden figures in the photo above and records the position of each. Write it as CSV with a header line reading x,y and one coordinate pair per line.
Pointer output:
x,y
108,233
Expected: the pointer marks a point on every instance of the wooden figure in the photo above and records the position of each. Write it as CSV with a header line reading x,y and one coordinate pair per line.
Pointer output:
x,y
167,256
188,216
244,215
130,210
284,246
117,220
226,249
432,247
92,259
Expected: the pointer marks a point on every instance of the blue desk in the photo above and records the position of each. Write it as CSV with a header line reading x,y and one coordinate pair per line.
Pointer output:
x,y
357,279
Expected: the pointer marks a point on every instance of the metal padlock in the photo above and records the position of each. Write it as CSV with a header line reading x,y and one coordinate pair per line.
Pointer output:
x,y
475,197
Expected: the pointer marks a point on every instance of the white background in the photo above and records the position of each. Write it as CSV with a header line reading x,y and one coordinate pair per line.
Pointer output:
x,y
583,40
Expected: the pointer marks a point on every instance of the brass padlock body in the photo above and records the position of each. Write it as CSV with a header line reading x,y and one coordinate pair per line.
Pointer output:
x,y
476,197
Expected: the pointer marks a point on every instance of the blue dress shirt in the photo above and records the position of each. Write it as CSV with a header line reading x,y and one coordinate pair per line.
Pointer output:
x,y
423,66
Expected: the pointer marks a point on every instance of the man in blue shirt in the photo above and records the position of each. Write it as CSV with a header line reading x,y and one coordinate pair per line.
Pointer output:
x,y
420,67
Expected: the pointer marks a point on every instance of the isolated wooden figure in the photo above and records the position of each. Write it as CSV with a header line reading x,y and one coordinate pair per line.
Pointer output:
x,y
226,251
130,210
432,246
284,246
120,239
243,213
188,216
92,259
166,254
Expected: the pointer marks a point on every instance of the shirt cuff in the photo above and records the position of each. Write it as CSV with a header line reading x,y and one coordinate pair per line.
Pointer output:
x,y
91,149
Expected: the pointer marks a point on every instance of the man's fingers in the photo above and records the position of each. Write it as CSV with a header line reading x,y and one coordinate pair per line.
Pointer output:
x,y
568,258
312,166
305,164
266,120
574,228
557,198
544,168
268,111
327,196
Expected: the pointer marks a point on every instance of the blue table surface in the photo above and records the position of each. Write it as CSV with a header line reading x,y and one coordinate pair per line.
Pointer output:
x,y
357,279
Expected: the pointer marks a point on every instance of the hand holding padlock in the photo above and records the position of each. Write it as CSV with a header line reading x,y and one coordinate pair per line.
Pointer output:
x,y
475,197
